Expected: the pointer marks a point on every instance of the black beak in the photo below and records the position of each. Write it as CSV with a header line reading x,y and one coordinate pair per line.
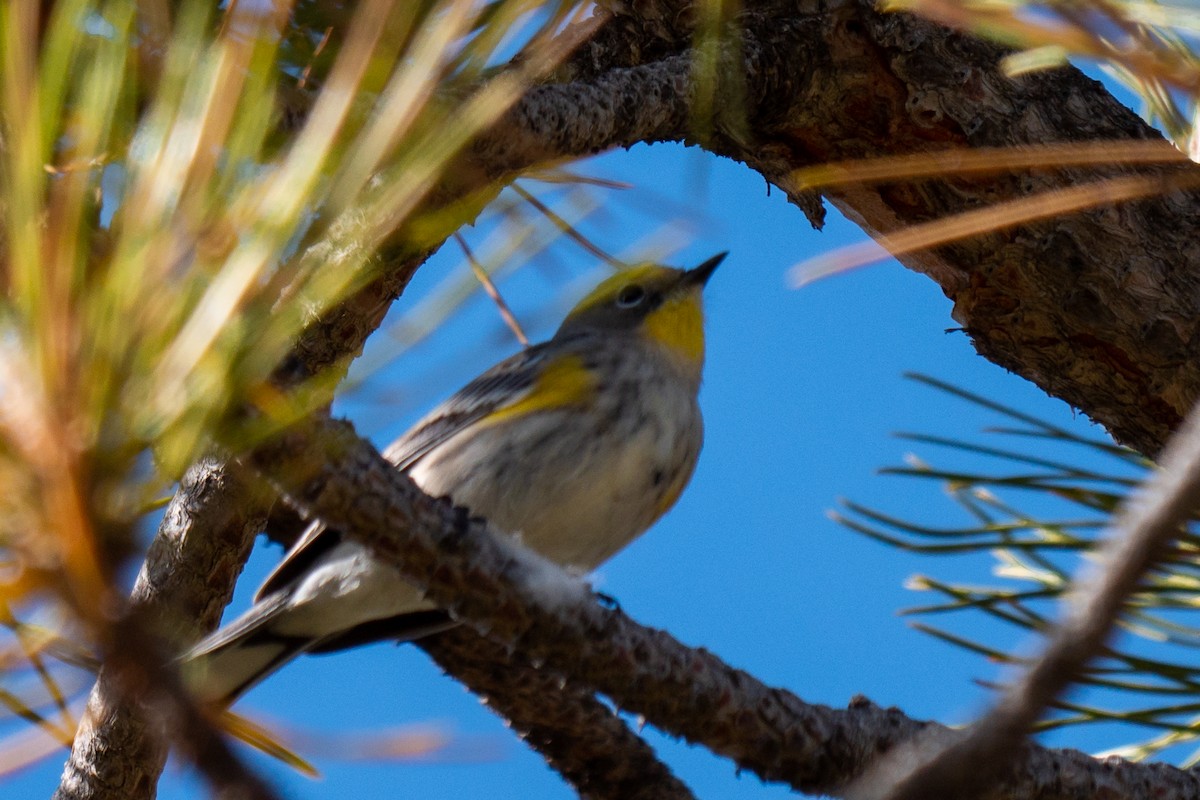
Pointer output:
x,y
700,275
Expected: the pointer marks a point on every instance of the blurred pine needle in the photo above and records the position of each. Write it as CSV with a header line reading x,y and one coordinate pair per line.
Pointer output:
x,y
183,187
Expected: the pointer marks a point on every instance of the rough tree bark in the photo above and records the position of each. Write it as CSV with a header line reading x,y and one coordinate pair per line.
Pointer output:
x,y
1098,308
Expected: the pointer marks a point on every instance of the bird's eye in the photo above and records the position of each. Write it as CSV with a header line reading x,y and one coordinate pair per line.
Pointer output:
x,y
630,296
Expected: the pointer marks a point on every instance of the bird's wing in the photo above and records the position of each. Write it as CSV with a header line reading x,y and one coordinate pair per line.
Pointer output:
x,y
504,385
508,382
231,660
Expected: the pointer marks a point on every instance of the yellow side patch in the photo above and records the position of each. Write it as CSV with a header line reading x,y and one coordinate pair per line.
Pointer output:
x,y
563,383
679,324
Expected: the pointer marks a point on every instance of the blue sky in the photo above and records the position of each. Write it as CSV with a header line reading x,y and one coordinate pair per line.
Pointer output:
x,y
803,390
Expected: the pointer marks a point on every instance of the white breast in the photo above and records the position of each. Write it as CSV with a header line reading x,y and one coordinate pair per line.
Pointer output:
x,y
592,487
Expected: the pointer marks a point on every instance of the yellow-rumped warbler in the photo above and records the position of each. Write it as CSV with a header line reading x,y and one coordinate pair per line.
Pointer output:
x,y
576,445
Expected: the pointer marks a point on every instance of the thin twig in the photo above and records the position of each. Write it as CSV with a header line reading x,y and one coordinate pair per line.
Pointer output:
x,y
563,226
485,280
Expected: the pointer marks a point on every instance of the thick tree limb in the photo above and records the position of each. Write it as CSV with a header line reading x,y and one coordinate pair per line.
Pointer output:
x,y
531,605
1097,308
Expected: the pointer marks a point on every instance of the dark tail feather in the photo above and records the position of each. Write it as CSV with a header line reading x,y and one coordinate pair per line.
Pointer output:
x,y
228,663
226,673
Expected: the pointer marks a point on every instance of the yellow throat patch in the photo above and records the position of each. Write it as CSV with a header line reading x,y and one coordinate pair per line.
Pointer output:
x,y
678,324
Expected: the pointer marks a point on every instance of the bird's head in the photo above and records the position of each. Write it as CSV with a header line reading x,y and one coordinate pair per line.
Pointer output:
x,y
661,304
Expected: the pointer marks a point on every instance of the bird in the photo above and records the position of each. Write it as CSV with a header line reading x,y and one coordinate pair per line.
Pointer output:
x,y
575,446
